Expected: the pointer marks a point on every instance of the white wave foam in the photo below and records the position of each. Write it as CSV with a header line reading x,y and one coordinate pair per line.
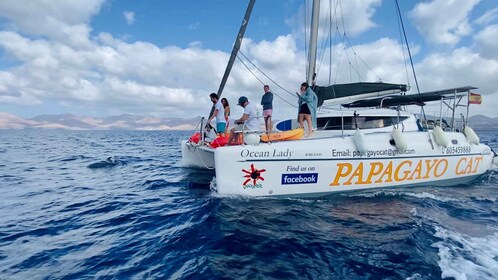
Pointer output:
x,y
213,186
466,257
371,193
415,276
485,199
425,195
390,193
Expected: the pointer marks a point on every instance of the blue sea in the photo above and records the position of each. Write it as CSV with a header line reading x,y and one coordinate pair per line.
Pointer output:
x,y
119,205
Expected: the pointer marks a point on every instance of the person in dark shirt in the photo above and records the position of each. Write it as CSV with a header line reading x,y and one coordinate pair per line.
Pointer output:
x,y
267,102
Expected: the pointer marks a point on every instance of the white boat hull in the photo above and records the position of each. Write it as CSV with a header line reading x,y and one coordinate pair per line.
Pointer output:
x,y
194,155
320,166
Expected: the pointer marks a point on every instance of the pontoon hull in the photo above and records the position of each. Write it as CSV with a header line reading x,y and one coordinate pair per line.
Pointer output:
x,y
194,155
321,166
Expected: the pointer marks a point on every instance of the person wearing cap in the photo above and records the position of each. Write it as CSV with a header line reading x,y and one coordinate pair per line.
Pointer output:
x,y
267,103
248,121
219,113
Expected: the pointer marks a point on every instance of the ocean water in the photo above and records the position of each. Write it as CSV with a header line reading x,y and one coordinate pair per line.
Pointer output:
x,y
119,205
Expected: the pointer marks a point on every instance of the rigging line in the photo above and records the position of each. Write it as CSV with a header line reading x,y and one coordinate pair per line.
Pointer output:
x,y
344,28
261,71
350,74
407,46
338,61
355,55
413,69
250,70
306,11
409,53
339,49
359,57
330,41
322,53
235,49
403,50
351,46
342,18
285,100
333,18
324,44
349,60
336,5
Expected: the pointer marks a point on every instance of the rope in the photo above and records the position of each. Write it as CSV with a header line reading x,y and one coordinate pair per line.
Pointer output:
x,y
278,85
306,12
203,163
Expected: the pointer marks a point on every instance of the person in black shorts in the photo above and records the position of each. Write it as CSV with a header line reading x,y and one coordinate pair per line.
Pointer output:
x,y
307,108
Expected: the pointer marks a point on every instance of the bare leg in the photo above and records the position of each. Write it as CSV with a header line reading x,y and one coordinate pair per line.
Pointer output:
x,y
232,136
269,126
301,119
310,126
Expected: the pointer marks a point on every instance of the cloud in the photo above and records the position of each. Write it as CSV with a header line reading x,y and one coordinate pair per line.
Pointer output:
x,y
352,17
193,26
65,21
356,15
488,17
195,44
486,43
103,74
130,17
461,67
108,72
442,21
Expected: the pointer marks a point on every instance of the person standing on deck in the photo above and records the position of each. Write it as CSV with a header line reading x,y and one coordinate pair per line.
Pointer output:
x,y
226,107
219,113
308,103
267,102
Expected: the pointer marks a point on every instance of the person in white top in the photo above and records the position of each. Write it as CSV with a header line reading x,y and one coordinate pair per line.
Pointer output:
x,y
219,113
249,118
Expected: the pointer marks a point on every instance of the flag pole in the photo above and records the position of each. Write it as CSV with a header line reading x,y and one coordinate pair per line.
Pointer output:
x,y
468,107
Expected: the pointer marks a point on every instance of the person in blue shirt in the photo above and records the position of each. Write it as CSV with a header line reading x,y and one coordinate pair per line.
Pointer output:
x,y
267,102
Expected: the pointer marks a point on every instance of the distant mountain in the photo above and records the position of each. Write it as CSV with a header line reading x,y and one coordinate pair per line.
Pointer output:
x,y
136,122
72,122
67,121
9,121
480,122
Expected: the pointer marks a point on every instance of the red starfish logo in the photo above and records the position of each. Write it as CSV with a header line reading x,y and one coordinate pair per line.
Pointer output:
x,y
254,175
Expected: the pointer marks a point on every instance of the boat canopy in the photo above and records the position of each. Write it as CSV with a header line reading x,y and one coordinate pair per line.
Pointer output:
x,y
339,91
412,99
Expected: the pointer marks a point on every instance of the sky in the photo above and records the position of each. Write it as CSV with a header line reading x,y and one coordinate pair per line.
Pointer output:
x,y
163,58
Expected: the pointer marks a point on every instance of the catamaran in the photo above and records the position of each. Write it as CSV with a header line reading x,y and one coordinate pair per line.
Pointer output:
x,y
373,145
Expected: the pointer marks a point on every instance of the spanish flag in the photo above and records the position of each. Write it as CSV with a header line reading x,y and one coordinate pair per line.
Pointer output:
x,y
475,98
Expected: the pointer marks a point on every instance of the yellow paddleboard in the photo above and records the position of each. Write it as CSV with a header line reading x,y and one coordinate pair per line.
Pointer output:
x,y
294,134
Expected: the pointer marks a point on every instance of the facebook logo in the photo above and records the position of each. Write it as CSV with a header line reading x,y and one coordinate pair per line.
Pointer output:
x,y
308,178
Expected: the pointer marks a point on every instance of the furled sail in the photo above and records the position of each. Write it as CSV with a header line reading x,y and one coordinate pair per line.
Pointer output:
x,y
413,99
341,93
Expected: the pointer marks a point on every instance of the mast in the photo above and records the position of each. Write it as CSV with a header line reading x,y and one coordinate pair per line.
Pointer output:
x,y
236,47
310,75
